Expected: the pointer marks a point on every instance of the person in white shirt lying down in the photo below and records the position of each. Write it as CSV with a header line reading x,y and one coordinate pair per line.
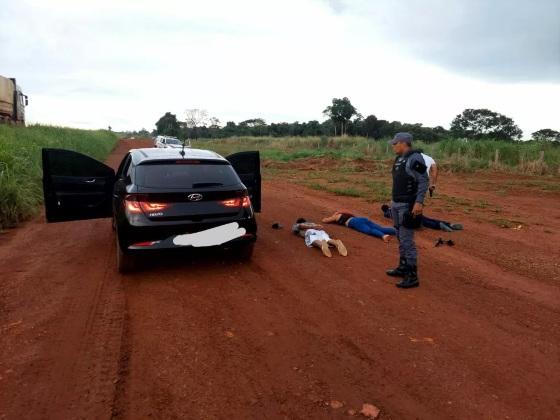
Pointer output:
x,y
315,236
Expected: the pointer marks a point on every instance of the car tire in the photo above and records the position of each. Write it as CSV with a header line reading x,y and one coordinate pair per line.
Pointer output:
x,y
244,252
126,263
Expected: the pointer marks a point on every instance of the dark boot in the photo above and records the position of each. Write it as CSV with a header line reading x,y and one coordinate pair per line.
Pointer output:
x,y
400,271
410,279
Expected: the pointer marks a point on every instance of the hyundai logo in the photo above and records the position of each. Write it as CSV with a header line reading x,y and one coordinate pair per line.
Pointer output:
x,y
194,197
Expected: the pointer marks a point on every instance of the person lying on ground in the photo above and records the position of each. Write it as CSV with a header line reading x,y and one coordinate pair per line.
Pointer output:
x,y
315,236
428,222
361,224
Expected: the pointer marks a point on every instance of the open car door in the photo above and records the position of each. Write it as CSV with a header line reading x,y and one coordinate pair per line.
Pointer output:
x,y
76,186
248,167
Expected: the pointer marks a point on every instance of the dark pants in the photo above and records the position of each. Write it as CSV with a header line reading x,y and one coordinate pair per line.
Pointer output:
x,y
407,246
426,221
364,225
432,223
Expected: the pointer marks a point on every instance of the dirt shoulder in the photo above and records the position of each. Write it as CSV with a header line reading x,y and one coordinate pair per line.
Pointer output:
x,y
290,332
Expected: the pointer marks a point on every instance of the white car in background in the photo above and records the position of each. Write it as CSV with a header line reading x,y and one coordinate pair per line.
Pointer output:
x,y
164,142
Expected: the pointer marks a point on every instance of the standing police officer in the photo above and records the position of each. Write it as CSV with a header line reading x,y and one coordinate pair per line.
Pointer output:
x,y
410,183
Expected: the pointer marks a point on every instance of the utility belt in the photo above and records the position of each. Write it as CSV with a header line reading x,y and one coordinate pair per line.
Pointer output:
x,y
409,198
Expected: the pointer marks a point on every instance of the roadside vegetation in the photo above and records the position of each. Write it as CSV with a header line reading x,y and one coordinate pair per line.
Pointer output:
x,y
21,192
456,155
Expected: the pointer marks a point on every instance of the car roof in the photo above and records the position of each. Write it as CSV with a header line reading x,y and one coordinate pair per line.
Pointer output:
x,y
148,154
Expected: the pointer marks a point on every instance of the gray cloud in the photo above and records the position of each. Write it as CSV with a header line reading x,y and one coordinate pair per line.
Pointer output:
x,y
497,40
125,63
338,6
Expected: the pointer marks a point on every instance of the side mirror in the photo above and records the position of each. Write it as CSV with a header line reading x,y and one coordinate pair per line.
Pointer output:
x,y
26,100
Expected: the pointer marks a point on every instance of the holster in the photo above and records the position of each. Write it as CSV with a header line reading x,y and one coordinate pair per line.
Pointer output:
x,y
410,221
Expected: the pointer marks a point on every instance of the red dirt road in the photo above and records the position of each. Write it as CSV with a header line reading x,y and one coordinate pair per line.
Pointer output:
x,y
288,333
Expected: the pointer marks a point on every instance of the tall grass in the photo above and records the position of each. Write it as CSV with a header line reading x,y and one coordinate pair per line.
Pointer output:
x,y
451,154
20,163
525,157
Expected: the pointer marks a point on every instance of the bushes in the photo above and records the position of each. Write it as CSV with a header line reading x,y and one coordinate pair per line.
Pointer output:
x,y
452,154
20,163
525,157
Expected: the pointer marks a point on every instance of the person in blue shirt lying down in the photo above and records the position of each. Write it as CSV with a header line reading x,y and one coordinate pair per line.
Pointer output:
x,y
361,224
427,221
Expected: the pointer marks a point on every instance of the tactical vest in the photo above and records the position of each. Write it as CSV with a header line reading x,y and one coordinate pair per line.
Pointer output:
x,y
405,186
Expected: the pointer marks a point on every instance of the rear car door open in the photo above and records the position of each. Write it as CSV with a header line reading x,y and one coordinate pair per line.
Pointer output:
x,y
76,186
248,167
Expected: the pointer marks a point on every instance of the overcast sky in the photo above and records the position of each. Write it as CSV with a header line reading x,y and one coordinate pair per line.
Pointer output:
x,y
125,63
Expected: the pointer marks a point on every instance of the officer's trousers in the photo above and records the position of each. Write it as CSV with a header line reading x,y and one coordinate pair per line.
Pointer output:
x,y
407,246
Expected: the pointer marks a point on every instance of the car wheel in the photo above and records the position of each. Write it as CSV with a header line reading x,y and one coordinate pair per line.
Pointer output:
x,y
244,252
126,263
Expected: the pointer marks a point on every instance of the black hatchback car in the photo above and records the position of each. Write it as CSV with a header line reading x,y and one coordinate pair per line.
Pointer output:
x,y
159,198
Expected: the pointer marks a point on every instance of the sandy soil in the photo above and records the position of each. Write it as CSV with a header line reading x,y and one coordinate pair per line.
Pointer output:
x,y
291,334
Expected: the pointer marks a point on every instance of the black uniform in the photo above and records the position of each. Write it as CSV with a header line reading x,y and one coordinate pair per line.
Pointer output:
x,y
410,184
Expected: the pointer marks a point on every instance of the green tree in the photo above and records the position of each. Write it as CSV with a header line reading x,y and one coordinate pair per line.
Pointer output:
x,y
230,129
546,134
254,127
168,125
340,112
483,123
312,128
253,122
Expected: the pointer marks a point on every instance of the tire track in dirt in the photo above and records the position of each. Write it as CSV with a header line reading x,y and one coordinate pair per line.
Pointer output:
x,y
100,355
59,290
123,371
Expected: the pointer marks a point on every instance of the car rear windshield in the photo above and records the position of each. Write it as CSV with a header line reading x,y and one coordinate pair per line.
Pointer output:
x,y
182,175
172,141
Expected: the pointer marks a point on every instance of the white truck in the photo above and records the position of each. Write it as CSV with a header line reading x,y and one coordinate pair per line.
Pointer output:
x,y
169,142
12,102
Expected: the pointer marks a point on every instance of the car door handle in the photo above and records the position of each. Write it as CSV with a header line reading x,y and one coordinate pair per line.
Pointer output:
x,y
89,181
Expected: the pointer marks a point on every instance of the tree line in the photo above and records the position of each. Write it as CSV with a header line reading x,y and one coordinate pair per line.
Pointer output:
x,y
343,119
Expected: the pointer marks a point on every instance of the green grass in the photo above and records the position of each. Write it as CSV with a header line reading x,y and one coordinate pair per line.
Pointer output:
x,y
527,157
551,187
347,192
21,191
452,154
372,191
378,191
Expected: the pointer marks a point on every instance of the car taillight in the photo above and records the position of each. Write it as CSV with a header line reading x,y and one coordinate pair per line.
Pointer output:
x,y
151,207
133,206
237,202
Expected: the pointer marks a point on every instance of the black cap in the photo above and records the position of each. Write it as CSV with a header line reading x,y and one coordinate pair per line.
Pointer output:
x,y
401,138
